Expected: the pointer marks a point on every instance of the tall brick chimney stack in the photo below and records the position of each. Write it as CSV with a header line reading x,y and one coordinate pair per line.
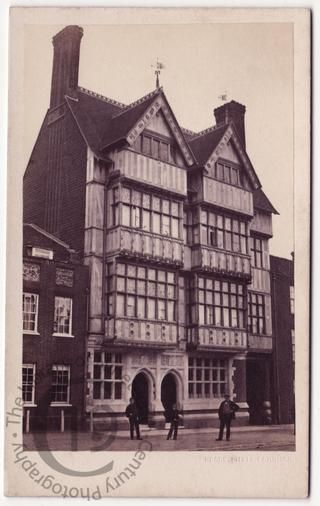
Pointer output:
x,y
65,69
232,112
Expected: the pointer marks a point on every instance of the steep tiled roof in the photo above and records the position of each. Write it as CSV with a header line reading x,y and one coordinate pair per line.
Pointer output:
x,y
93,115
204,144
103,121
121,124
261,201
188,134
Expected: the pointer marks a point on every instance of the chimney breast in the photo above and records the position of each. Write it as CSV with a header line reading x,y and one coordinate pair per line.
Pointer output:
x,y
65,70
232,112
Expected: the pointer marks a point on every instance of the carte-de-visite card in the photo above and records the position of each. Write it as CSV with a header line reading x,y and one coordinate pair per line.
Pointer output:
x,y
158,253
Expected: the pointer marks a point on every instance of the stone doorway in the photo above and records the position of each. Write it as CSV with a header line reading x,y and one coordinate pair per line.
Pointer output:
x,y
168,391
140,393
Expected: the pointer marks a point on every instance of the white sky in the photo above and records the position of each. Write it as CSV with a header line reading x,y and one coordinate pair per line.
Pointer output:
x,y
253,63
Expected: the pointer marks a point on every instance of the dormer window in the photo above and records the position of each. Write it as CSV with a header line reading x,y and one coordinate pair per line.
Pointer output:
x,y
156,147
227,173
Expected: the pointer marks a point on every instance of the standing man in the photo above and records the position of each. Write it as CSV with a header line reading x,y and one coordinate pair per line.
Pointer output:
x,y
173,416
227,411
133,415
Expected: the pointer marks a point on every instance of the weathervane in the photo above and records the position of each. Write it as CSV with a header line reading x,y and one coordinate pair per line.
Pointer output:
x,y
158,67
223,97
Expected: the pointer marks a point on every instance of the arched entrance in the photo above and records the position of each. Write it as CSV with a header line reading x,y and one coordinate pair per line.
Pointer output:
x,y
169,391
140,393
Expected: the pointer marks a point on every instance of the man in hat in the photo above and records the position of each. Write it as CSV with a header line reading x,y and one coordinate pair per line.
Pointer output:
x,y
226,412
173,416
133,415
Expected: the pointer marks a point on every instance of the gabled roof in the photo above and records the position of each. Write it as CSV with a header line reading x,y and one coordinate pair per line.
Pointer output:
x,y
261,202
206,148
104,122
93,113
205,143
121,123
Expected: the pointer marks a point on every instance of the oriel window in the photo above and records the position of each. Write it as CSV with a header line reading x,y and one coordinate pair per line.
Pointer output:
x,y
145,293
150,213
220,303
223,232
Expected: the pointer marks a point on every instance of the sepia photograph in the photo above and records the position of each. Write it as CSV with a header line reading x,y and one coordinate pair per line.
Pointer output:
x,y
158,240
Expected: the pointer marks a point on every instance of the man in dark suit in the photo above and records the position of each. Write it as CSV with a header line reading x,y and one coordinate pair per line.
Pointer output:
x,y
172,415
227,411
133,415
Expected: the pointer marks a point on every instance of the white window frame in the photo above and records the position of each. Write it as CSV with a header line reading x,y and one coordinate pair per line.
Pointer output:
x,y
28,331
62,367
292,302
293,344
63,334
33,367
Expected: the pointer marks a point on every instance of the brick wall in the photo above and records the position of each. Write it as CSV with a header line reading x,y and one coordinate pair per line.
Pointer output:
x,y
62,151
46,349
283,365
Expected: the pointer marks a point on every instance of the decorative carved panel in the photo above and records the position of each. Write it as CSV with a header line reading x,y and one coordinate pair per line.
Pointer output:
x,y
64,277
31,272
219,337
144,359
172,360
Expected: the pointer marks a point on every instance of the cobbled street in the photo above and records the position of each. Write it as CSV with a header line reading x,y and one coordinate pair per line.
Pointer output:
x,y
275,438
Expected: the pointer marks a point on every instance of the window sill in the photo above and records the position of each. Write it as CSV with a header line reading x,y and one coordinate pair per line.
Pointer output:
x,y
30,333
27,405
60,405
145,320
56,334
149,232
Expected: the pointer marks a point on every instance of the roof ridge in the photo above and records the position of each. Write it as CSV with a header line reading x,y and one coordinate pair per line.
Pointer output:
x,y
137,102
208,130
189,132
102,97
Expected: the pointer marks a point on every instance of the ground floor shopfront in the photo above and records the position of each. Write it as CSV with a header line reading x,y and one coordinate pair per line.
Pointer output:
x,y
157,379
195,381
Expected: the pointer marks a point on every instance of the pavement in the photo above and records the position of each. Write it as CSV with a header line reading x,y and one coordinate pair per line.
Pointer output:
x,y
248,438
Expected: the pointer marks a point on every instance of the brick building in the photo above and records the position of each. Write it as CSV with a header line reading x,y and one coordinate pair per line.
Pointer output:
x,y
55,292
174,228
282,290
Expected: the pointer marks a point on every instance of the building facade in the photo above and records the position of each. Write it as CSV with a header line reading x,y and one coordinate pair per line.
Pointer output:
x,y
174,227
282,289
55,297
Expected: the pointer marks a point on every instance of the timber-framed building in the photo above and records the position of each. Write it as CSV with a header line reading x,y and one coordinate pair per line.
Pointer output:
x,y
174,227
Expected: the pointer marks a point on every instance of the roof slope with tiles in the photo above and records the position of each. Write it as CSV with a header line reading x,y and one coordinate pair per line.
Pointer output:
x,y
104,122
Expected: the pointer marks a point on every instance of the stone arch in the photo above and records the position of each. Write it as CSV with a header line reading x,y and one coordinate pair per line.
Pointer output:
x,y
178,384
137,384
